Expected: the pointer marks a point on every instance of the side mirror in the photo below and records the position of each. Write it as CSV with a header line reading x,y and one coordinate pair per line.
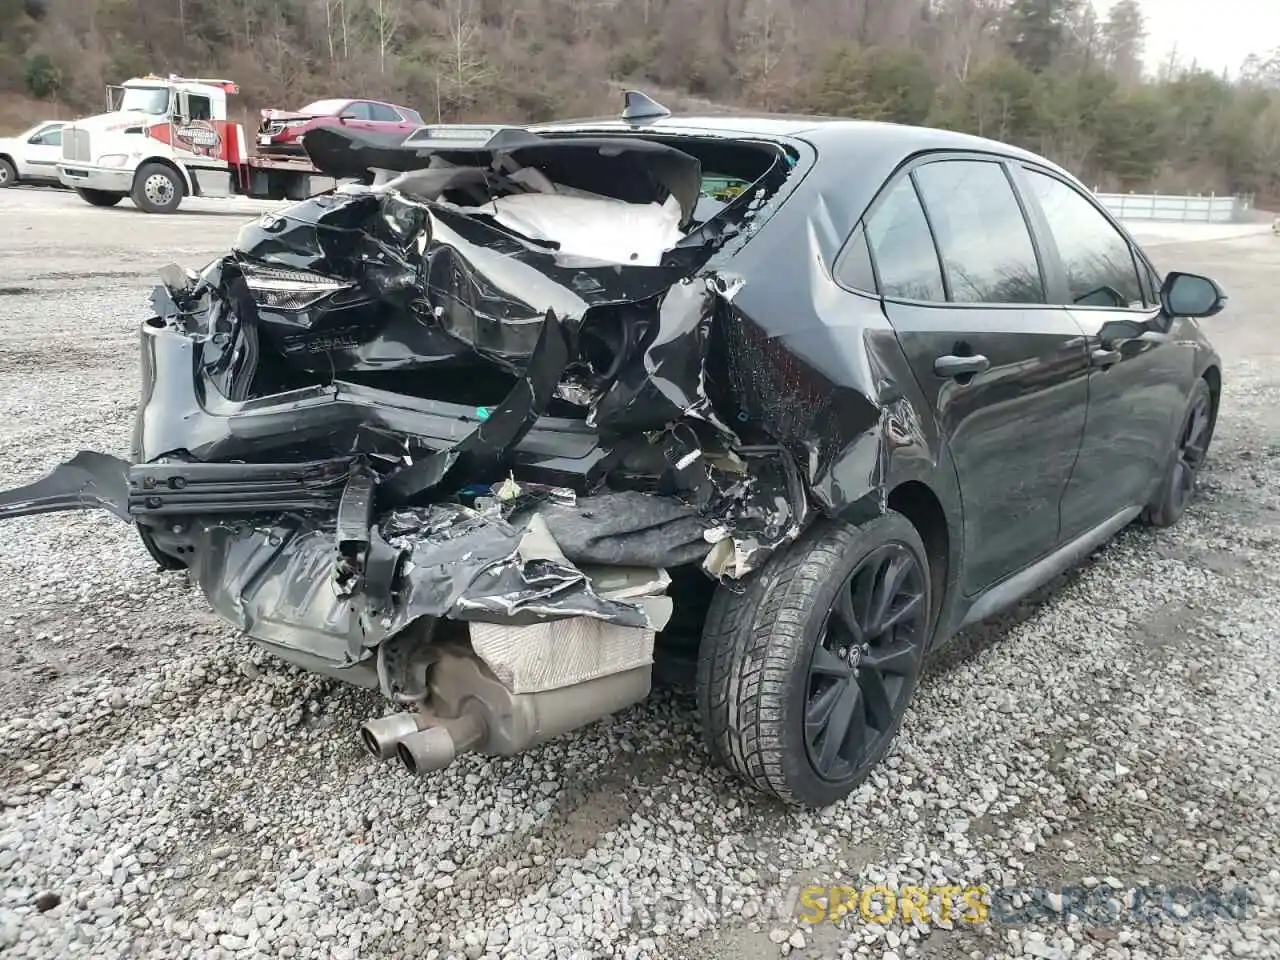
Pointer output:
x,y
1191,295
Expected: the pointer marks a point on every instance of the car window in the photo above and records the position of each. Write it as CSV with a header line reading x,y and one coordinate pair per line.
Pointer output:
x,y
1096,256
49,137
383,113
413,116
199,108
985,243
854,270
902,246
359,110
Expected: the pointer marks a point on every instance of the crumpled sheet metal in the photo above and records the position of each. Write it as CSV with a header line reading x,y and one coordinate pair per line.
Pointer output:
x,y
275,580
87,481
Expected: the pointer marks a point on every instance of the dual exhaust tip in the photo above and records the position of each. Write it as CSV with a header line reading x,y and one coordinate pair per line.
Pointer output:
x,y
421,742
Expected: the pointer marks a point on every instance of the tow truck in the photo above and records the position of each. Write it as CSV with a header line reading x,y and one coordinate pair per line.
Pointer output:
x,y
166,138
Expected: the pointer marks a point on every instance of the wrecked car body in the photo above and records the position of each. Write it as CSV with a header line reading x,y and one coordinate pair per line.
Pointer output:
x,y
482,427
472,392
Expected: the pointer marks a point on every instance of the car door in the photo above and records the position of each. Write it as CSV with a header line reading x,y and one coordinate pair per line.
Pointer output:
x,y
357,116
42,152
384,119
1139,375
962,285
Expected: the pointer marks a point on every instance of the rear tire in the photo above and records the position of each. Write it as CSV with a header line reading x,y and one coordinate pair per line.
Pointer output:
x,y
8,175
99,198
1191,447
157,189
793,699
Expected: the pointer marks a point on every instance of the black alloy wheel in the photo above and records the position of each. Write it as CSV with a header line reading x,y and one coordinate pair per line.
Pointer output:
x,y
1191,449
866,662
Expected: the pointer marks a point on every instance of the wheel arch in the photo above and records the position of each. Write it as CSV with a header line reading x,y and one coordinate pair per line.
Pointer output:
x,y
922,507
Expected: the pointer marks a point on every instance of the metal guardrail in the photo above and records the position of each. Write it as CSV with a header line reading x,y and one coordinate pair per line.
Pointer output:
x,y
1184,209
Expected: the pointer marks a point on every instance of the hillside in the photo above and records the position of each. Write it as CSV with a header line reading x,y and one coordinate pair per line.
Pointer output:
x,y
1048,74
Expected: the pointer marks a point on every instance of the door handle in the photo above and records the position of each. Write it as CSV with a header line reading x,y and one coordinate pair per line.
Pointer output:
x,y
1104,358
953,366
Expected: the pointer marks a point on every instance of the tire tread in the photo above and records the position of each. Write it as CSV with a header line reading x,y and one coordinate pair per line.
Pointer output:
x,y
753,642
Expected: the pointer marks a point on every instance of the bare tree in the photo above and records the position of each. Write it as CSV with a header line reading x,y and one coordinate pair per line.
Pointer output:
x,y
462,66
967,26
766,32
387,16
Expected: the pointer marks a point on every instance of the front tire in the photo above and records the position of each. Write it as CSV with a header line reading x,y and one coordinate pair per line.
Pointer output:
x,y
1191,448
157,189
804,677
99,198
8,175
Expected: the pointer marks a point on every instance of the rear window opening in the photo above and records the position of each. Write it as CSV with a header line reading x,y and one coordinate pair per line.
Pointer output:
x,y
424,253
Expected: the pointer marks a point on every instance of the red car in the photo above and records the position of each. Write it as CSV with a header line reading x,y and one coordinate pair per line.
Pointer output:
x,y
281,130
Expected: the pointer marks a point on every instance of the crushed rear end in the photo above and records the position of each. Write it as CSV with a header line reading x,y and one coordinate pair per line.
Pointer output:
x,y
449,434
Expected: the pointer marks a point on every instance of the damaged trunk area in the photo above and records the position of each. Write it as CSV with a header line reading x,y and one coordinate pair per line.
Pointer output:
x,y
450,430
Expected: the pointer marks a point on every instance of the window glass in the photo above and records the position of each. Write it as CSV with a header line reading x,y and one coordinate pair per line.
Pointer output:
x,y
855,267
1096,256
199,108
985,243
53,138
383,113
358,110
902,247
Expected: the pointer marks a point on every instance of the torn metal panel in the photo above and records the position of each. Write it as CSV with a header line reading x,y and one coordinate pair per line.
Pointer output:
x,y
665,380
275,578
89,480
484,447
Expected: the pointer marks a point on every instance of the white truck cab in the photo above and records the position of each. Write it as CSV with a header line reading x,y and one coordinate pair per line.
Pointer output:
x,y
32,156
163,138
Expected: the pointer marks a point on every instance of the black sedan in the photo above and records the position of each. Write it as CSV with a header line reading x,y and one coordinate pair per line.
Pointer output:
x,y
525,407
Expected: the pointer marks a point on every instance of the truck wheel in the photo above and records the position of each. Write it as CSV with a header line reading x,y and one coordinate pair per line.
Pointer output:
x,y
157,189
804,676
8,175
99,198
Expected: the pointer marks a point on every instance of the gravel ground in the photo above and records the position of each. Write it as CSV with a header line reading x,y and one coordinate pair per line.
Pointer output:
x,y
168,792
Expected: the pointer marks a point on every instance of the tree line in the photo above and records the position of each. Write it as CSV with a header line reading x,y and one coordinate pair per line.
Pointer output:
x,y
1051,75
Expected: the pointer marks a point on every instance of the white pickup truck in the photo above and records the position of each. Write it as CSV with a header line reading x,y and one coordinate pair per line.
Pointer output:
x,y
32,156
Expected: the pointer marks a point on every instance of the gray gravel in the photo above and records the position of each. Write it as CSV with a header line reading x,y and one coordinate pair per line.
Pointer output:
x,y
169,792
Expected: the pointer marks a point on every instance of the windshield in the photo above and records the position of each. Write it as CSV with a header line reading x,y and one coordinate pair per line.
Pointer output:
x,y
324,108
152,100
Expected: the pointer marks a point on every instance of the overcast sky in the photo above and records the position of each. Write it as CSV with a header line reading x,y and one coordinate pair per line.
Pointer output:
x,y
1217,33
